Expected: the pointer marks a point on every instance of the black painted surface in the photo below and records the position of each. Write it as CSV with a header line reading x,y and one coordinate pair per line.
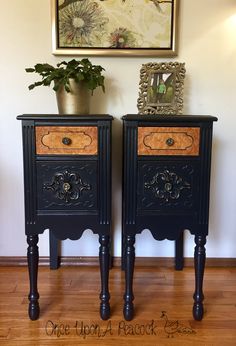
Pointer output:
x,y
165,194
152,190
81,177
67,212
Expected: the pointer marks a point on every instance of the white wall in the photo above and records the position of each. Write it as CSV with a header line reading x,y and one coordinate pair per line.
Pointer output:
x,y
207,45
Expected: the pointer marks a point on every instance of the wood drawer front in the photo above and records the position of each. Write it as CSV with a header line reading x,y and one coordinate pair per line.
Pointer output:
x,y
68,140
168,141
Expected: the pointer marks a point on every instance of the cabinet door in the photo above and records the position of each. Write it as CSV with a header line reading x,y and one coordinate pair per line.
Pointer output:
x,y
67,185
167,186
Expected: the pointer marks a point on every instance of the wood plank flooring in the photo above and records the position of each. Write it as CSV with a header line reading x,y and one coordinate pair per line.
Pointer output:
x,y
69,302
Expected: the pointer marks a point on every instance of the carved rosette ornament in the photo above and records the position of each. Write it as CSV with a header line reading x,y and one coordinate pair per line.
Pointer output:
x,y
67,186
167,185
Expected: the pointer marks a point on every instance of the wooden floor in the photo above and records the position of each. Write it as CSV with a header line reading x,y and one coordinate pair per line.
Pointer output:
x,y
163,300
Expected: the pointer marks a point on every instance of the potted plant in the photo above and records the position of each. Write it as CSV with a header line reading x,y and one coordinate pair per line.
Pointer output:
x,y
73,81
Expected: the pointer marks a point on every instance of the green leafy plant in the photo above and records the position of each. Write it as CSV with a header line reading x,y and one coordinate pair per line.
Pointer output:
x,y
79,70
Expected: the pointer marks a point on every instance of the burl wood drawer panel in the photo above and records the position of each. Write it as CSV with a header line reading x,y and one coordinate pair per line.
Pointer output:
x,y
168,141
69,140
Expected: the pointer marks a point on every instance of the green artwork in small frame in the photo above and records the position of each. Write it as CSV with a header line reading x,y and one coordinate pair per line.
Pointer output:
x,y
161,88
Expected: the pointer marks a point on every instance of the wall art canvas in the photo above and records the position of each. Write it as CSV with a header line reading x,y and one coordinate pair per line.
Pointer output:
x,y
114,27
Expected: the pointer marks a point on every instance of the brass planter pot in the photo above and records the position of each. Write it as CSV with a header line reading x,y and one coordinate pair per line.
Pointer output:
x,y
74,102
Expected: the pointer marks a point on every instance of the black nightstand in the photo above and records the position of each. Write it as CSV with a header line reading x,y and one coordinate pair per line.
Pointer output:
x,y
67,182
166,182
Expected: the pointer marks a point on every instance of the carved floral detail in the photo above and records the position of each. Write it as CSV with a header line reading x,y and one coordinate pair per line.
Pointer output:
x,y
67,186
167,185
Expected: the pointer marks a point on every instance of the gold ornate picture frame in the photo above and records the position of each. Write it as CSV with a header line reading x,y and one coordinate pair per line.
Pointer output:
x,y
114,27
161,88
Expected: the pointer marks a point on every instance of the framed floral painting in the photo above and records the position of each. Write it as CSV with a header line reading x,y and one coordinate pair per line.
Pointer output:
x,y
114,27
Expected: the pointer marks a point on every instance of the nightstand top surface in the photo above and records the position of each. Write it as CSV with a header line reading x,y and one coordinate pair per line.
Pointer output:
x,y
165,118
49,117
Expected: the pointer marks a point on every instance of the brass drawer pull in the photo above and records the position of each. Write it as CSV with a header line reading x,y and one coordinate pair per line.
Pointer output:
x,y
66,187
170,142
66,141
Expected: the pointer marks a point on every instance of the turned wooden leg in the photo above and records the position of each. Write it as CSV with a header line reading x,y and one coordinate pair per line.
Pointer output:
x,y
199,264
33,257
104,258
129,258
179,250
